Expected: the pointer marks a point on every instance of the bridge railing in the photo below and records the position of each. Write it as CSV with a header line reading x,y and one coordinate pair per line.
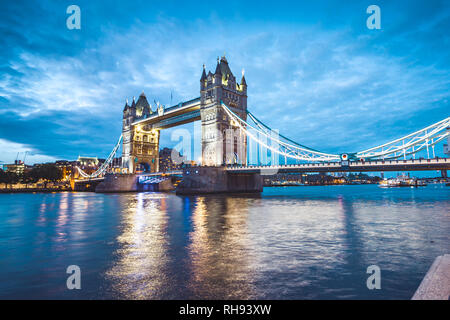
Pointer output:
x,y
435,160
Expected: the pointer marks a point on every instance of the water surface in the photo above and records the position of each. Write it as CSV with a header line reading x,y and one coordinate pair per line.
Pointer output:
x,y
288,243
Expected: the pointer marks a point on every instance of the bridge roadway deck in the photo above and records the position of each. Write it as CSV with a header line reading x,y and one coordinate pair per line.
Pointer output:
x,y
353,166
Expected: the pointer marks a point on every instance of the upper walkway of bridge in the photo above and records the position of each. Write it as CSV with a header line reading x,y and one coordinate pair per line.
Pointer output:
x,y
178,114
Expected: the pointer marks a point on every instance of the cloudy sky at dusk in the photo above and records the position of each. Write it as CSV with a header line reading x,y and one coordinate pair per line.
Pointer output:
x,y
313,68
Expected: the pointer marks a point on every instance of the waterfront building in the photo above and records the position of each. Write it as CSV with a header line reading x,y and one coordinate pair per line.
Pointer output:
x,y
18,167
167,161
88,161
66,167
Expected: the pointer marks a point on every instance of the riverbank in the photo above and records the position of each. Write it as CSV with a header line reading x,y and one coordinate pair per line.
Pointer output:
x,y
35,190
315,184
436,284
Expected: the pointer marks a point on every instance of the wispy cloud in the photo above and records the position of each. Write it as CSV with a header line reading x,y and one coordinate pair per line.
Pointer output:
x,y
12,151
326,86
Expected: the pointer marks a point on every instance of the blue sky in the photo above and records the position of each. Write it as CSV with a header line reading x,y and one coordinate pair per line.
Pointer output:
x,y
313,68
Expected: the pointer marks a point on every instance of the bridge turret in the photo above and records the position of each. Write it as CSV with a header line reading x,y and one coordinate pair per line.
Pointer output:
x,y
203,79
129,116
243,89
243,82
218,72
217,82
126,109
140,142
143,109
222,141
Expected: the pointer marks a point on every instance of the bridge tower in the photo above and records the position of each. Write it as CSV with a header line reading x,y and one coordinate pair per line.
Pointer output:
x,y
140,148
223,142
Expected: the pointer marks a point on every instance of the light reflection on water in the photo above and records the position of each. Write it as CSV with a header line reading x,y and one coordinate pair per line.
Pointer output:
x,y
288,243
220,249
142,255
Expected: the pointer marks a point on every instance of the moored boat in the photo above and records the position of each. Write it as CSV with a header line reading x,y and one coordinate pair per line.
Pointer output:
x,y
401,181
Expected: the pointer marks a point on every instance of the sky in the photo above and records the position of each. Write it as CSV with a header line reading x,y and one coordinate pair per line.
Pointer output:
x,y
314,70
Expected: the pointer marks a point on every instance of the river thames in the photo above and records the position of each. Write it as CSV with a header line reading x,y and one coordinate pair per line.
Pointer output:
x,y
288,243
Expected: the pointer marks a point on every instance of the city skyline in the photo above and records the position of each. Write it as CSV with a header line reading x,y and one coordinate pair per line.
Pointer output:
x,y
332,84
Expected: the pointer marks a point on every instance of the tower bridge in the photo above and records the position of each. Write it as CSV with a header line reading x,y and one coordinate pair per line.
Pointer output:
x,y
229,132
142,124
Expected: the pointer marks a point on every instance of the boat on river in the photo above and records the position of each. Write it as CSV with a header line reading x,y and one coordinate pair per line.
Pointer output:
x,y
401,181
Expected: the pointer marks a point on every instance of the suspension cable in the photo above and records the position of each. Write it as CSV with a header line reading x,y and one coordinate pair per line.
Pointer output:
x,y
419,138
104,165
308,155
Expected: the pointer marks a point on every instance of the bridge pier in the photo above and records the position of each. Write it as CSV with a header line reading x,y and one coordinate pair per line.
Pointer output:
x,y
131,183
87,185
444,174
118,183
203,180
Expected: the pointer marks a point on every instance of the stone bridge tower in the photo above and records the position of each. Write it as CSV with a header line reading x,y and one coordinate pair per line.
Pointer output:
x,y
140,148
223,142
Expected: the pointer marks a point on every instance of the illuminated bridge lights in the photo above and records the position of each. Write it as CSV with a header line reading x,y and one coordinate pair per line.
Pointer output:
x,y
265,137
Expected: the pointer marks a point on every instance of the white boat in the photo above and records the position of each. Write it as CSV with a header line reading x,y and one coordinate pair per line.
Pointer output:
x,y
401,181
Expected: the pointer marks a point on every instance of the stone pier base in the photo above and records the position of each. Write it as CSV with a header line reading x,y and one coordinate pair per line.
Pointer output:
x,y
201,180
118,183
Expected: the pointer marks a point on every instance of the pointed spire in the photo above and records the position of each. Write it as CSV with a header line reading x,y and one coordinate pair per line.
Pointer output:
x,y
133,104
224,59
218,72
142,101
126,105
243,82
203,74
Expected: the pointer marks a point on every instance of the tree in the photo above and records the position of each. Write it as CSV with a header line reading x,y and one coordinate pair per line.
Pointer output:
x,y
11,178
30,176
49,173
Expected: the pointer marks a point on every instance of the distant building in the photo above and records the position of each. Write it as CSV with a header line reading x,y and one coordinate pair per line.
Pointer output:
x,y
88,161
116,165
167,163
18,167
67,168
87,164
